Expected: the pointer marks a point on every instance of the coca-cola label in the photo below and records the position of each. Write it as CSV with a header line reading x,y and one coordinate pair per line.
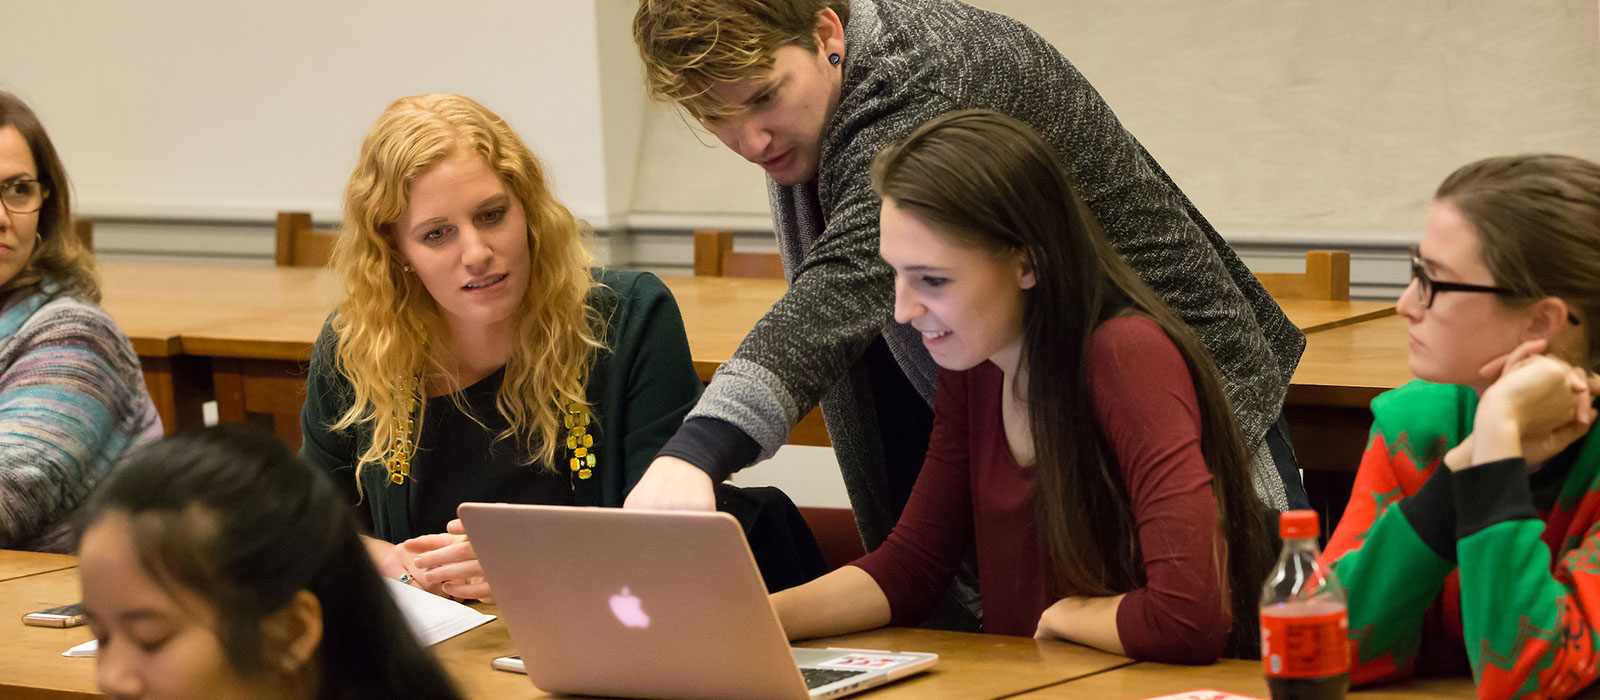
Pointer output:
x,y
1305,646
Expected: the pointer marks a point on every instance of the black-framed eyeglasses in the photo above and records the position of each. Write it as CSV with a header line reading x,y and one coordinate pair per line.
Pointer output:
x,y
23,196
1428,287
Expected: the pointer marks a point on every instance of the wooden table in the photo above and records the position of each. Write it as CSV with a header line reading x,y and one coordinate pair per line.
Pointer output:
x,y
243,334
1316,315
14,564
971,665
32,665
1144,680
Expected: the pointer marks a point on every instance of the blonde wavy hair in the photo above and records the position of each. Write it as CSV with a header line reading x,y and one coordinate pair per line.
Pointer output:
x,y
387,314
59,258
690,46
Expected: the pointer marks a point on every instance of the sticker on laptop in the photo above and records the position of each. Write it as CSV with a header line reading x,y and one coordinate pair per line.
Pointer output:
x,y
1204,695
865,661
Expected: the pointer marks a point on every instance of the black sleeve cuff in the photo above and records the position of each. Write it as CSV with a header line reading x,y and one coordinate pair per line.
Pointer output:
x,y
1492,493
717,447
1431,511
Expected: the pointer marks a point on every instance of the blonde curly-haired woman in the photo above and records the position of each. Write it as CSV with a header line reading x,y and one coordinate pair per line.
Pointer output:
x,y
477,354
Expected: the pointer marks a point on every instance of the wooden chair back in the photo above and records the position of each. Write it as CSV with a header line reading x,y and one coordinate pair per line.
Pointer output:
x,y
1327,277
300,245
714,257
836,533
84,229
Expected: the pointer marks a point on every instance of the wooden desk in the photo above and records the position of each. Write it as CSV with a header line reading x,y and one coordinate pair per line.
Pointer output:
x,y
1315,315
1351,365
971,665
1143,680
15,564
180,317
244,334
32,665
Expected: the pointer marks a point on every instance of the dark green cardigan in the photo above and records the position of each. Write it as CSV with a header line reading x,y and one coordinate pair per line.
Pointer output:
x,y
640,390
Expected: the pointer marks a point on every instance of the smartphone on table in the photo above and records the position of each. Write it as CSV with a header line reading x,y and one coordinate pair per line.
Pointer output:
x,y
59,616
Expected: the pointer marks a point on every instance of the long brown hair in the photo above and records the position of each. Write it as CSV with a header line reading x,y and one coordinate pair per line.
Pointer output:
x,y
1538,222
59,257
989,181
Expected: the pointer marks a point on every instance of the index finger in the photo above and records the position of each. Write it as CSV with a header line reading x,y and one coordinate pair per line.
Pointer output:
x,y
428,543
461,551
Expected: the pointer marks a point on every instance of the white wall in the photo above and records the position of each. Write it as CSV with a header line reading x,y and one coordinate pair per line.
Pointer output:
x,y
1282,119
1285,120
187,109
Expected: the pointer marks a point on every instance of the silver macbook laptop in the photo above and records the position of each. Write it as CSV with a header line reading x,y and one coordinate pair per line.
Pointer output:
x,y
603,601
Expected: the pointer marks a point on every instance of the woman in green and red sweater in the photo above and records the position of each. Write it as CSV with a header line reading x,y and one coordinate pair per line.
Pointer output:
x,y
1491,560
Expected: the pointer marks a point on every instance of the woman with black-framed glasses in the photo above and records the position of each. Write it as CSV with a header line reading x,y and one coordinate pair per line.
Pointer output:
x,y
72,399
1428,287
1473,527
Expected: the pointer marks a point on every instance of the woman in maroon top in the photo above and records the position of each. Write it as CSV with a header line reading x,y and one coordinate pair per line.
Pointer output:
x,y
1081,439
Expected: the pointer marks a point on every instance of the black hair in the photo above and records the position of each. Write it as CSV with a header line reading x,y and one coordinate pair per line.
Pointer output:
x,y
230,515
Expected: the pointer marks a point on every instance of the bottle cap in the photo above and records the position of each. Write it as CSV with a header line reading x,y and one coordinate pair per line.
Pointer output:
x,y
1297,524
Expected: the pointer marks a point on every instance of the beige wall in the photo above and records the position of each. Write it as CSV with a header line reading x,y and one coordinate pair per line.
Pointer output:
x,y
1294,119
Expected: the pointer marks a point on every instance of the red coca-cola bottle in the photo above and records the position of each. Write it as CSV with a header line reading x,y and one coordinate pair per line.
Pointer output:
x,y
1305,642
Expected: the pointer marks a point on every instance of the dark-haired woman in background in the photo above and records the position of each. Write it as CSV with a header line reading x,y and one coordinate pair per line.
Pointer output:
x,y
1081,438
218,565
72,400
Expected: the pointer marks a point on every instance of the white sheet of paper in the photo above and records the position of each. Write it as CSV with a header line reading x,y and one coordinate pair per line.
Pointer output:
x,y
432,619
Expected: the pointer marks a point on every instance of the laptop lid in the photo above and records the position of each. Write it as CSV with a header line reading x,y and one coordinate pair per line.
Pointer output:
x,y
662,604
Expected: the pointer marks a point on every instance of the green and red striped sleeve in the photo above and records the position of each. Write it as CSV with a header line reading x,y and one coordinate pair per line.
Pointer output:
x,y
1530,630
1393,562
1390,573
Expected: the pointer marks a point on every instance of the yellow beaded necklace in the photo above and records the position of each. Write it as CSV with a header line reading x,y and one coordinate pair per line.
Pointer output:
x,y
404,443
580,442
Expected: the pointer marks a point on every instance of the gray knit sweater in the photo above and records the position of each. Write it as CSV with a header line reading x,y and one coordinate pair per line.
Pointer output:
x,y
905,62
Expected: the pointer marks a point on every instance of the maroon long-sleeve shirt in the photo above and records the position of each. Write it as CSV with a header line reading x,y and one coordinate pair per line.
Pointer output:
x,y
972,488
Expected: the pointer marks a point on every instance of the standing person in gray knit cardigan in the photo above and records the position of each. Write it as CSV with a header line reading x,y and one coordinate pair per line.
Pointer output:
x,y
811,90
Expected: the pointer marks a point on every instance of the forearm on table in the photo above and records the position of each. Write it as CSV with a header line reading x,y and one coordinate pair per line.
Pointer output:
x,y
844,600
1090,621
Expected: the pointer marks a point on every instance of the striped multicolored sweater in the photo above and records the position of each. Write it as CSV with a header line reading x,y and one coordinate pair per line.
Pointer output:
x,y
72,402
1490,562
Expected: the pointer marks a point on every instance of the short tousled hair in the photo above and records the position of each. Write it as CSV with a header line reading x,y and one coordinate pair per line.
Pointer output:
x,y
690,46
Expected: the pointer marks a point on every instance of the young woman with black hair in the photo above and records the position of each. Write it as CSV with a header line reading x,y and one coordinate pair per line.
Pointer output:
x,y
218,565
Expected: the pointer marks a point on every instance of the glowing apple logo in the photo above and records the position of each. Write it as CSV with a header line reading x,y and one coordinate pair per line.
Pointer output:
x,y
629,610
